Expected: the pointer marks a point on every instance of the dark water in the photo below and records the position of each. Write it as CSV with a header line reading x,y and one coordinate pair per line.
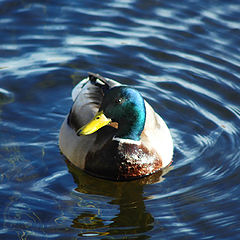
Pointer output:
x,y
185,59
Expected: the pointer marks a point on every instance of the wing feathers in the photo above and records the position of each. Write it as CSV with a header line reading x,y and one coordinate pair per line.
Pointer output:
x,y
87,96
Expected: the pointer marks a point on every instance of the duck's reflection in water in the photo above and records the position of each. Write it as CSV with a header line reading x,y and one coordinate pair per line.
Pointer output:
x,y
132,219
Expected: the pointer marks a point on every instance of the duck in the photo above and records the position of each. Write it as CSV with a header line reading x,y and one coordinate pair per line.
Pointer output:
x,y
112,132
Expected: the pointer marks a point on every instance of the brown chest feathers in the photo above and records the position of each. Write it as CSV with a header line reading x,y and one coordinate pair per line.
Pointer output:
x,y
122,161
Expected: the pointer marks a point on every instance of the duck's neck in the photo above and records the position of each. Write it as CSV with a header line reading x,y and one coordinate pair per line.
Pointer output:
x,y
132,126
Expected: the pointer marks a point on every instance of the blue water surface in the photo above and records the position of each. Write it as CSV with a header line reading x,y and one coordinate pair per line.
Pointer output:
x,y
183,56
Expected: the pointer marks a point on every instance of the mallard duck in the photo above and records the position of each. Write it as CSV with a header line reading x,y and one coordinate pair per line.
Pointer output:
x,y
113,133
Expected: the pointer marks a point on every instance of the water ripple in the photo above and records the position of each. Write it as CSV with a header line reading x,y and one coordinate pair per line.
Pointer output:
x,y
184,58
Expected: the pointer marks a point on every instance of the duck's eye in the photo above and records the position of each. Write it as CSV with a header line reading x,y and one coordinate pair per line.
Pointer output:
x,y
118,100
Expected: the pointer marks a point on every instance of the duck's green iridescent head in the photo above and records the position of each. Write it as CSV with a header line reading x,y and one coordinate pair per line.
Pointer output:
x,y
123,105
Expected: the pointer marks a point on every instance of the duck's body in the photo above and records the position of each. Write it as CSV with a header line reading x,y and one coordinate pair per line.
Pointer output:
x,y
135,141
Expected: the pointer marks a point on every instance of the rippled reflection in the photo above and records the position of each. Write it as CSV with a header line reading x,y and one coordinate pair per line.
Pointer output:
x,y
132,217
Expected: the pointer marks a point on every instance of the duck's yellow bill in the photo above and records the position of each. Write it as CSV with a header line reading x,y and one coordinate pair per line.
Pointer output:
x,y
99,121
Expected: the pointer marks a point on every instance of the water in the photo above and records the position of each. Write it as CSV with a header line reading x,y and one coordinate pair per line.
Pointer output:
x,y
185,59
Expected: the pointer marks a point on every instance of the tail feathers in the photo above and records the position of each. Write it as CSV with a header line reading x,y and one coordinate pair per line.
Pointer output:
x,y
99,81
